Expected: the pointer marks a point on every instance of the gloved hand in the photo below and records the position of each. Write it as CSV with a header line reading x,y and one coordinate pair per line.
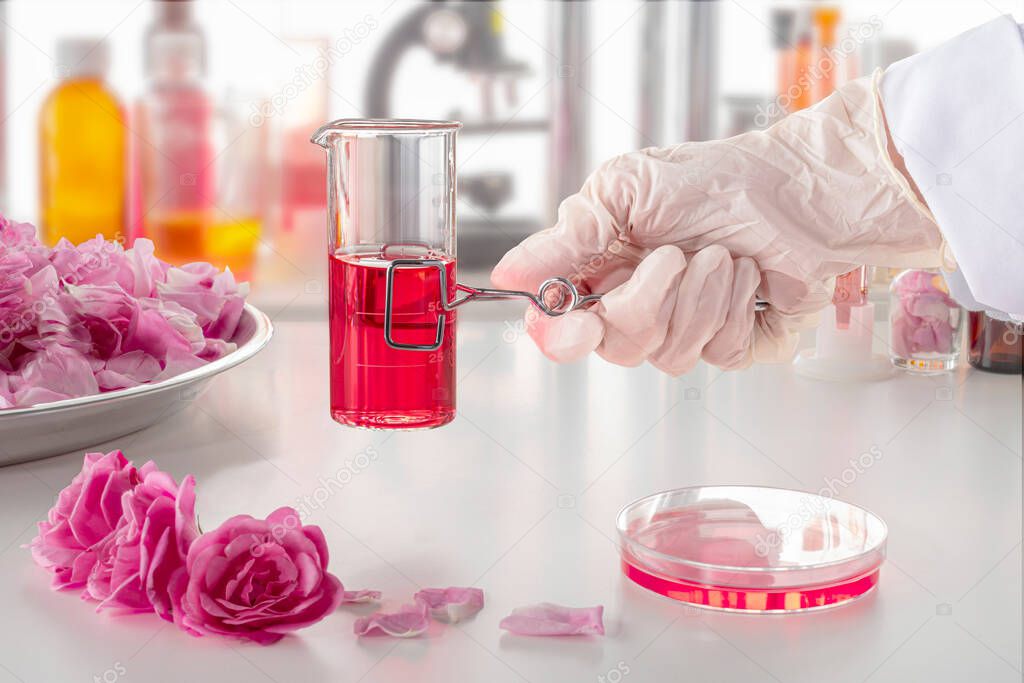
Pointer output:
x,y
682,239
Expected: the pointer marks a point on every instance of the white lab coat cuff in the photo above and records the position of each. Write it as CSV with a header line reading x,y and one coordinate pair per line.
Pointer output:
x,y
956,114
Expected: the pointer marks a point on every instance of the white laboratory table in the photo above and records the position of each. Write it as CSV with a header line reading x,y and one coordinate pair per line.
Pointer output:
x,y
519,496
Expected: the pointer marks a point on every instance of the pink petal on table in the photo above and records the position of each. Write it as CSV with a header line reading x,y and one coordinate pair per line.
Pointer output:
x,y
451,604
546,619
360,596
408,622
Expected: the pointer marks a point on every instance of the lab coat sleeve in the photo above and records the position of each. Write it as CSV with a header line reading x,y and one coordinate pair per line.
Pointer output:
x,y
956,114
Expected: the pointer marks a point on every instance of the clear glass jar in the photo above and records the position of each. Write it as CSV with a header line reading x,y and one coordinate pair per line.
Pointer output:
x,y
925,323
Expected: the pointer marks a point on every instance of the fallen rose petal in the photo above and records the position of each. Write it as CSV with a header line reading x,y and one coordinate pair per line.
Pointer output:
x,y
360,596
408,622
547,619
451,604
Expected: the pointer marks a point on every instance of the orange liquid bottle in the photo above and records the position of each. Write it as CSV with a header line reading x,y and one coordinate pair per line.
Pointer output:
x,y
803,59
826,22
82,160
794,48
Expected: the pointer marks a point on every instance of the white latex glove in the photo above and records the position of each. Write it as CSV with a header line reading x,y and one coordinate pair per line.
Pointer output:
x,y
681,239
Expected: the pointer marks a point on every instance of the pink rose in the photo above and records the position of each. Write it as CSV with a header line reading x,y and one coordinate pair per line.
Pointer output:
x,y
86,512
258,579
145,555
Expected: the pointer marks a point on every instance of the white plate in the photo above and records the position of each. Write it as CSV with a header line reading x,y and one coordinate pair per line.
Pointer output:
x,y
77,423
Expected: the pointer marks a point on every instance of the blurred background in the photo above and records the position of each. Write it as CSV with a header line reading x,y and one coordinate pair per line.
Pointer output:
x,y
189,122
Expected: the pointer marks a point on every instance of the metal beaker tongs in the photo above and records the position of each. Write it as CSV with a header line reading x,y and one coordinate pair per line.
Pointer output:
x,y
568,299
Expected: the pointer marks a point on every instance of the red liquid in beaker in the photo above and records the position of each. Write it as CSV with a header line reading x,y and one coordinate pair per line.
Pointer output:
x,y
372,384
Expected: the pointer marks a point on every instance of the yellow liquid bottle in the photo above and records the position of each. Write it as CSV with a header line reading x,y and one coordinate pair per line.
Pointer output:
x,y
232,243
82,156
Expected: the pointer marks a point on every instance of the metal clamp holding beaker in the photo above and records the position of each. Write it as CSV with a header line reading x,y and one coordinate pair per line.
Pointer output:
x,y
567,298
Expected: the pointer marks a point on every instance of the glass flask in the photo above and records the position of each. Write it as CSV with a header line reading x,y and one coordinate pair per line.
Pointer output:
x,y
995,345
924,323
392,272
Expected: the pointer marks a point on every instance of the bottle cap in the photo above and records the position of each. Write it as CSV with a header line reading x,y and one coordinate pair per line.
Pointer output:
x,y
783,23
78,57
176,53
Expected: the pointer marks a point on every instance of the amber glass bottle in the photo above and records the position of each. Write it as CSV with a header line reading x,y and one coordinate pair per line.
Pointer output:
x,y
82,156
996,346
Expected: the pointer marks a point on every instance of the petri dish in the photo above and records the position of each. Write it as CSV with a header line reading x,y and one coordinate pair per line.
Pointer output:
x,y
751,549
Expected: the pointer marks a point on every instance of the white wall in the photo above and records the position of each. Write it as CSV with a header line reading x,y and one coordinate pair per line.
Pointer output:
x,y
246,54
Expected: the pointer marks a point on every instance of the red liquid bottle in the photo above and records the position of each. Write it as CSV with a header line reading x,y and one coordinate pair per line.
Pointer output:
x,y
372,384
391,197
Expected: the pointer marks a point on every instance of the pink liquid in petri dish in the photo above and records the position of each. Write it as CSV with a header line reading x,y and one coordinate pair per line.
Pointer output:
x,y
751,549
372,384
732,598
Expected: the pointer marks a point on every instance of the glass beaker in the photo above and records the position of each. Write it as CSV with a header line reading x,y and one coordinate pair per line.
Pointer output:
x,y
391,251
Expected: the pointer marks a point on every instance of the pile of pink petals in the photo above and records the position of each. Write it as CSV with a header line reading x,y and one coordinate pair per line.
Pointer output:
x,y
923,315
80,320
128,539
